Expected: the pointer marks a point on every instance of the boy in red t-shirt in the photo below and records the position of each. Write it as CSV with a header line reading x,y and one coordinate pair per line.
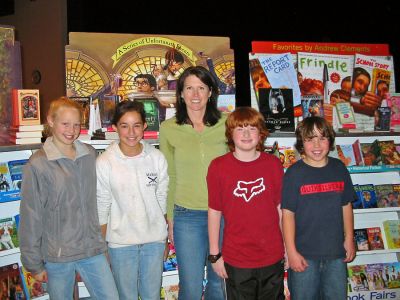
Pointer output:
x,y
244,186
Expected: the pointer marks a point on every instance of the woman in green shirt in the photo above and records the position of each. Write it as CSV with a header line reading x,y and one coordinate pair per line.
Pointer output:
x,y
189,141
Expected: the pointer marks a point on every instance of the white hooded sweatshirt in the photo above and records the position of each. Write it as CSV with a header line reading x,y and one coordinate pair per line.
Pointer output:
x,y
132,195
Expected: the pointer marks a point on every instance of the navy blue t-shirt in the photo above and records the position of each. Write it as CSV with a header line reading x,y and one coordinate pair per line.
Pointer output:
x,y
317,197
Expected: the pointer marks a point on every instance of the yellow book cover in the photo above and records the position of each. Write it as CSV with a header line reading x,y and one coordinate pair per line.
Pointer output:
x,y
392,231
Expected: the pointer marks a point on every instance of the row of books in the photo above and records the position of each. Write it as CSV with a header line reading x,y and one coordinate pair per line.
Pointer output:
x,y
367,239
371,277
11,179
17,283
325,85
378,152
376,196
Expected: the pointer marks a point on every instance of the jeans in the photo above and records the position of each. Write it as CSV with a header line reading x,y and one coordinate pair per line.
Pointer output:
x,y
95,272
137,270
192,249
324,279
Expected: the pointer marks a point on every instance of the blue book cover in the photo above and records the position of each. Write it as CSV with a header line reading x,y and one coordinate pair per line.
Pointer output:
x,y
368,196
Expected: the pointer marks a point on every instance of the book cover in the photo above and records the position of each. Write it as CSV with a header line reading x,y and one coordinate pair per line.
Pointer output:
x,y
375,240
392,271
311,66
389,154
258,79
392,232
291,156
26,107
5,178
346,154
385,195
9,233
368,196
312,105
358,153
368,156
33,288
84,102
171,264
106,106
171,292
276,105
357,203
394,103
375,276
357,277
345,115
281,73
380,82
151,109
382,119
16,169
375,149
361,239
11,281
396,195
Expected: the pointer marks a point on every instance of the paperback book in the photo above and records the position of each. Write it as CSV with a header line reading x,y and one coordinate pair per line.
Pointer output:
x,y
361,239
375,240
368,197
9,233
392,232
11,282
32,287
385,195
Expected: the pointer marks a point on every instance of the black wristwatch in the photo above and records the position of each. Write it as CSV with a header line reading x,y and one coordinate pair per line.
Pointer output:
x,y
213,258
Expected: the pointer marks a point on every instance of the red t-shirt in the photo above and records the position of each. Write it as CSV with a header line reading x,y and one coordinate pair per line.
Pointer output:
x,y
247,194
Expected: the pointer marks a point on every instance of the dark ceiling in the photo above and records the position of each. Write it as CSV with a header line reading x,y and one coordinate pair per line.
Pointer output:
x,y
244,22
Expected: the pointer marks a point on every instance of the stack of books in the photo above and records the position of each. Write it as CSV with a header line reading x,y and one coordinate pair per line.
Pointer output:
x,y
26,127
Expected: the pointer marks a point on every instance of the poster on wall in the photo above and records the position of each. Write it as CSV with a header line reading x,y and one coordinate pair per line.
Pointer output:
x,y
130,65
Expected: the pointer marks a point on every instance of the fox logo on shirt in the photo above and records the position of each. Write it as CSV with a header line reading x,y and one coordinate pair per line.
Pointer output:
x,y
248,190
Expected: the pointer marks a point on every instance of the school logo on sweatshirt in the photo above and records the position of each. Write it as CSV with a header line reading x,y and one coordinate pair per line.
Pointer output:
x,y
152,179
248,190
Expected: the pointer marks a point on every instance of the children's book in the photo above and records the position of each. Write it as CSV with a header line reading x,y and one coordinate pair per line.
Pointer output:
x,y
389,154
361,239
396,195
375,240
394,103
33,288
11,179
346,154
382,121
276,105
357,277
346,118
171,264
357,203
311,66
281,73
368,197
392,232
84,102
151,108
313,106
25,107
385,195
375,277
358,153
9,233
171,292
392,271
380,81
11,283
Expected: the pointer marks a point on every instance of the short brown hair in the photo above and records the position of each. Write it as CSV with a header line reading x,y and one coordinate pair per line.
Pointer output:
x,y
245,116
305,129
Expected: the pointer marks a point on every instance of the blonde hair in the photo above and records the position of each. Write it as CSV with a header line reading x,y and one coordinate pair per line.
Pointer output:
x,y
55,105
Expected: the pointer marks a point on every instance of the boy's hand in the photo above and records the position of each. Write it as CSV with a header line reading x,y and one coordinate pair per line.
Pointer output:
x,y
42,276
297,262
219,268
350,250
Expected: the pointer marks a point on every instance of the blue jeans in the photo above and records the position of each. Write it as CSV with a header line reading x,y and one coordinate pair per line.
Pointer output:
x,y
324,279
95,272
192,249
137,270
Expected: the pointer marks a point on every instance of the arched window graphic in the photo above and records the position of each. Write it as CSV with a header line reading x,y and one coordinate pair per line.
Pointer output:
x,y
84,76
